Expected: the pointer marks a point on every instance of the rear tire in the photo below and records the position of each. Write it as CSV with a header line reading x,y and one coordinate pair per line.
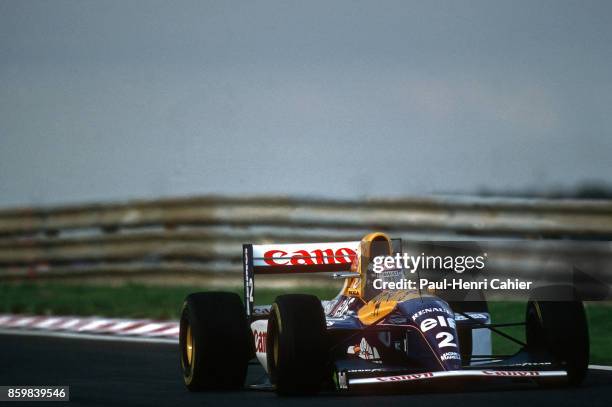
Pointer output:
x,y
214,341
297,345
560,328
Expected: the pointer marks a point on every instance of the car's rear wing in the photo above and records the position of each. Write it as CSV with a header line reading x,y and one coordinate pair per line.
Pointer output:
x,y
293,259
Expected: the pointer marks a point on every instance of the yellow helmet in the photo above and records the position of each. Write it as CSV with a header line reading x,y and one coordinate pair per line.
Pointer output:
x,y
371,245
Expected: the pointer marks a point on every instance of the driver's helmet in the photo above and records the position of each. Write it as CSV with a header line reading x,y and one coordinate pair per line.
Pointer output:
x,y
372,245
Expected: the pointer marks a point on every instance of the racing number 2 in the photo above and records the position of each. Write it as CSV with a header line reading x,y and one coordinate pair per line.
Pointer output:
x,y
445,339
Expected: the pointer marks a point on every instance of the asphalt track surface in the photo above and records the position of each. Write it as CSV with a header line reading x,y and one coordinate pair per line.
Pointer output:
x,y
103,373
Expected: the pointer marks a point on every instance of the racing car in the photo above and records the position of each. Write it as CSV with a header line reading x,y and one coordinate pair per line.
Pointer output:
x,y
365,337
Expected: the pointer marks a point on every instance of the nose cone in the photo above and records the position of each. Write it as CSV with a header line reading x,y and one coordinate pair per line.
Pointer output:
x,y
436,321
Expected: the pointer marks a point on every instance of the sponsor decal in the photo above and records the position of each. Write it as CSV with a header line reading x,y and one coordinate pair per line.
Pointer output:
x,y
450,355
366,370
430,323
397,319
458,373
278,257
355,287
460,317
424,311
403,378
260,341
511,373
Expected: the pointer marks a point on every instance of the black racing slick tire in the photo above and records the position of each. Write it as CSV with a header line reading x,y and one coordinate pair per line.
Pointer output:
x,y
560,329
297,345
214,341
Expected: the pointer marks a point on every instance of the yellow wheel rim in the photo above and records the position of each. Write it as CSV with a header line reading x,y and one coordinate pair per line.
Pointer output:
x,y
189,345
275,351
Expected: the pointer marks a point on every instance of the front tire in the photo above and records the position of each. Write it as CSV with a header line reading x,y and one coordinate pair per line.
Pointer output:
x,y
297,345
214,341
560,328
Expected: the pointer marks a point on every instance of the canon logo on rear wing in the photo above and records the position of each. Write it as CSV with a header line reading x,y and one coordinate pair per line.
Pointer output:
x,y
309,258
305,257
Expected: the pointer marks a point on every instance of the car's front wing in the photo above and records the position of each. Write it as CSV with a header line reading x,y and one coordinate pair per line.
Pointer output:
x,y
345,380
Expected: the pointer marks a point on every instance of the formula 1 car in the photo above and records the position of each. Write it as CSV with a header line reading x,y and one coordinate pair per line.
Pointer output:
x,y
365,337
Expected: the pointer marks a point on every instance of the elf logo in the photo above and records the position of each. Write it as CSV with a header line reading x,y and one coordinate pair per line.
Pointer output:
x,y
441,320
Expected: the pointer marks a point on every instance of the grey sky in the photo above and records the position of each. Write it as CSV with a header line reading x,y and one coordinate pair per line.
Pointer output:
x,y
115,100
